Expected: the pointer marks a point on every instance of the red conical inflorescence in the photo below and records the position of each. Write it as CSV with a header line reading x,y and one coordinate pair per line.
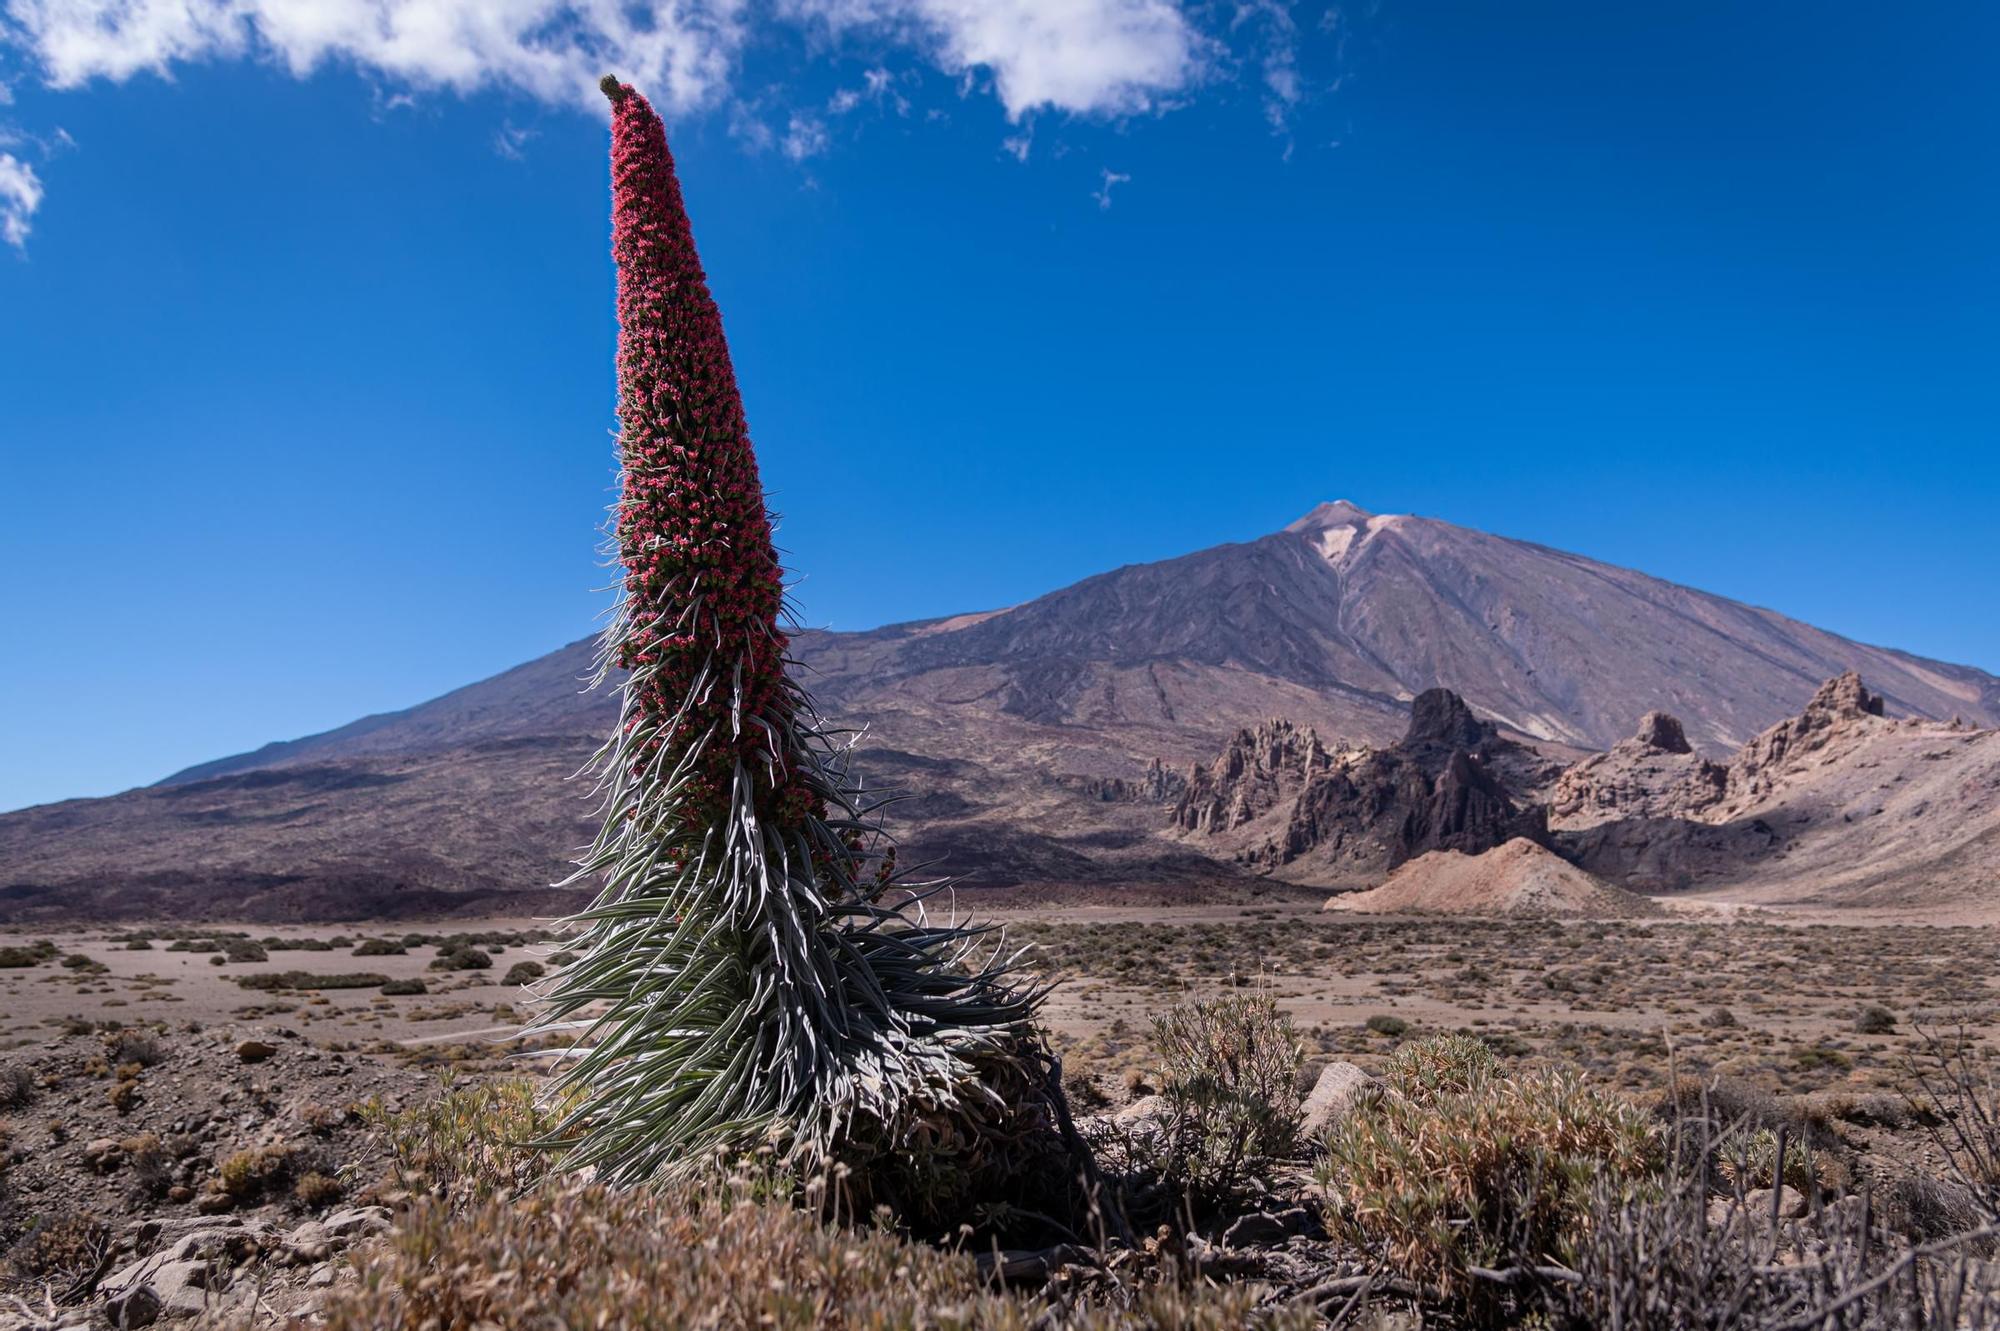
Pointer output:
x,y
702,579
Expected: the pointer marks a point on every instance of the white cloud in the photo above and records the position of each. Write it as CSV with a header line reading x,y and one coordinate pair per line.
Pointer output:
x,y
1085,57
1103,192
1090,56
680,51
20,196
1115,57
877,86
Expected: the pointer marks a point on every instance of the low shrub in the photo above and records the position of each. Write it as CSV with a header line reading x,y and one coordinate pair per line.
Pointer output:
x,y
307,980
404,988
462,959
1764,1159
21,958
17,1086
1456,1166
524,972
252,1175
316,1191
1230,1073
1875,1019
471,1142
379,947
133,1046
58,1248
1384,1024
1448,1065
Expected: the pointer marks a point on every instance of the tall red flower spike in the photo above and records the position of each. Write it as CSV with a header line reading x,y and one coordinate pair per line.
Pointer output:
x,y
693,533
741,975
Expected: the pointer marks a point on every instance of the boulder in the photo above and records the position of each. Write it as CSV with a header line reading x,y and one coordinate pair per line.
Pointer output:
x,y
356,1222
1340,1088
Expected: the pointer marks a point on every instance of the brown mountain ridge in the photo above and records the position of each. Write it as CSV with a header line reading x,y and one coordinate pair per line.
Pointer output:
x,y
1047,743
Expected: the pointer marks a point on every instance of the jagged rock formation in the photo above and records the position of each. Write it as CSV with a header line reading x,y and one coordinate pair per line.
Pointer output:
x,y
1156,785
1517,878
1654,774
1841,803
1837,718
1259,770
1280,802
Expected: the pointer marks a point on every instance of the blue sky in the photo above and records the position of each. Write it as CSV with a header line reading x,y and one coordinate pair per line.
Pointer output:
x,y
305,316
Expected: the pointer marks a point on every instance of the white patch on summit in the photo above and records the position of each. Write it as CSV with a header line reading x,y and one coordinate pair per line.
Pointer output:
x,y
1339,513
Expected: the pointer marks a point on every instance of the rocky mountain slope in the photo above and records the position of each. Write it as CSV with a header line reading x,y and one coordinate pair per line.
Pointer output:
x,y
1043,743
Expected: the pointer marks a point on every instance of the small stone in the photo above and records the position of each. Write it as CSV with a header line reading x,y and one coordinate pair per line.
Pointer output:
x,y
254,1051
1791,1203
138,1306
321,1276
1266,1229
356,1222
1145,1109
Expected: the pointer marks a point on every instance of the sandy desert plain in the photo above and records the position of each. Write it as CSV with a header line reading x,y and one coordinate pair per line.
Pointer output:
x,y
1796,1001
240,1104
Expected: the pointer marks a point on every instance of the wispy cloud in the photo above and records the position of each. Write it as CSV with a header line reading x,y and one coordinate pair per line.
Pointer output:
x,y
20,196
1103,192
1276,32
805,136
511,141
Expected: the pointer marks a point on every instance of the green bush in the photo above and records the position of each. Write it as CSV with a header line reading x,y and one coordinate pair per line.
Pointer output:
x,y
404,988
1384,1024
523,972
1758,1162
379,947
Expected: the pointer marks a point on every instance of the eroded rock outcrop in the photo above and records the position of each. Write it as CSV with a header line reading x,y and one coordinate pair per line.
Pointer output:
x,y
1256,772
1289,804
1654,774
1840,803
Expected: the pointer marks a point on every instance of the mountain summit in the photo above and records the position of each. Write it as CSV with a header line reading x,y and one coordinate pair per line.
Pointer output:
x,y
1049,736
1339,513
